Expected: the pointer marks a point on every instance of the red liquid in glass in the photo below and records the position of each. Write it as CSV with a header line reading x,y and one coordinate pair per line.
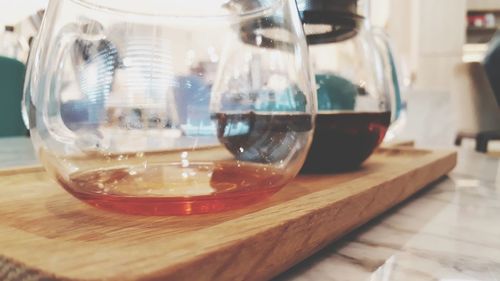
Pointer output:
x,y
226,185
344,140
253,146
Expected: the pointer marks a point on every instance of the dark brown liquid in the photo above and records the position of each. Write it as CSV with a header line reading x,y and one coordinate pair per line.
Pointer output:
x,y
174,190
343,141
260,137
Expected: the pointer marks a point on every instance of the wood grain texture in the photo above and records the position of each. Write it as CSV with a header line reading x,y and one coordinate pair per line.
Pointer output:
x,y
45,234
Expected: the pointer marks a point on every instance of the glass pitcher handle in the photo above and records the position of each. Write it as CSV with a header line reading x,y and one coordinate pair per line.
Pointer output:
x,y
388,50
51,103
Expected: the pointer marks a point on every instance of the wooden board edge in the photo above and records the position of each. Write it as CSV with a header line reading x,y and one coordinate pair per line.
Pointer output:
x,y
266,267
449,158
399,144
9,171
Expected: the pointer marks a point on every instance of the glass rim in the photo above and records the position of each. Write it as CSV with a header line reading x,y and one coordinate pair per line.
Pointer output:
x,y
96,5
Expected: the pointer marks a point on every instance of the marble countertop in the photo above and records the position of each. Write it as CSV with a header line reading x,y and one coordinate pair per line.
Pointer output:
x,y
16,151
448,232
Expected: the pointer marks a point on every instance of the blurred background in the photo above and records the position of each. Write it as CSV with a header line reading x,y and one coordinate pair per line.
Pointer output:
x,y
442,48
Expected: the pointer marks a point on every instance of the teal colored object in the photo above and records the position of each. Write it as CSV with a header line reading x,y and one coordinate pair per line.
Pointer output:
x,y
291,99
11,91
335,93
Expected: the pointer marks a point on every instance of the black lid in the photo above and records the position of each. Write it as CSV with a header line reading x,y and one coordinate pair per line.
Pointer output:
x,y
9,28
324,21
327,21
348,7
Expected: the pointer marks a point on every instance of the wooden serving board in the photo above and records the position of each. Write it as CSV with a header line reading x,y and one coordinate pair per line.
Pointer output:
x,y
45,234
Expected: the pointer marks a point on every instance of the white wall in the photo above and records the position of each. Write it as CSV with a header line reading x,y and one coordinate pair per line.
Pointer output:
x,y
14,11
430,34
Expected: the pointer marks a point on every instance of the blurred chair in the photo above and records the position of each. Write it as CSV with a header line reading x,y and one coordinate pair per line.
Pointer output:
x,y
478,110
11,89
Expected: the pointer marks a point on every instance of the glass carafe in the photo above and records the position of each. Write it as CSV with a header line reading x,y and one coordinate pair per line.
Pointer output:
x,y
170,107
397,88
354,93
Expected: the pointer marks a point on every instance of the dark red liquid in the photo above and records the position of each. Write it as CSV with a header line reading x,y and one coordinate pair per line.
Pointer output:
x,y
343,141
261,137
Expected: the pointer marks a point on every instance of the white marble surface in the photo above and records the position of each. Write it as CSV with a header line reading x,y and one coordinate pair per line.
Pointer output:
x,y
449,232
431,119
16,151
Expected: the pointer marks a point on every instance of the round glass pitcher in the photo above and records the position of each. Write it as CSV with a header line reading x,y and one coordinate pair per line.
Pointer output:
x,y
170,107
397,87
355,97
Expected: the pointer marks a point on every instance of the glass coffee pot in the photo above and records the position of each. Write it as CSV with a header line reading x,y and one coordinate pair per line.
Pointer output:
x,y
355,100
397,88
170,107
